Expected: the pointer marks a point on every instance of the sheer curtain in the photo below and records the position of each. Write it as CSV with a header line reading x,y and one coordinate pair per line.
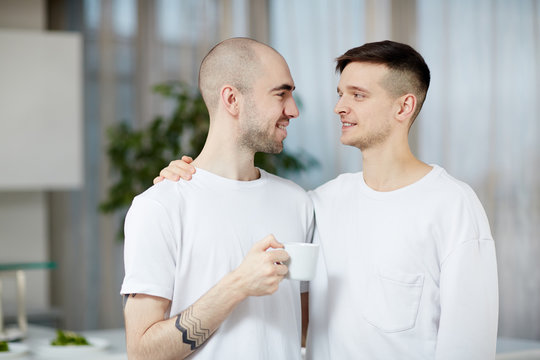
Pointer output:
x,y
129,46
481,121
310,34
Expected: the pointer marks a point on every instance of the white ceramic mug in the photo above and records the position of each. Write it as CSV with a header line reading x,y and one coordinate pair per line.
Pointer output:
x,y
303,260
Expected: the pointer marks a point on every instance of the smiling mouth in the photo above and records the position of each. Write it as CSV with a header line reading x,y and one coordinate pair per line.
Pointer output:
x,y
346,124
283,131
282,124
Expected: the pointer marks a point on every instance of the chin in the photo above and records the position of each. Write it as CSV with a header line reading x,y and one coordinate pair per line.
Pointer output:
x,y
277,150
346,141
351,142
271,149
278,147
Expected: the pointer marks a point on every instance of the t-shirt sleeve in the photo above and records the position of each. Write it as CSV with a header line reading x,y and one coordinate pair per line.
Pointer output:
x,y
149,250
469,302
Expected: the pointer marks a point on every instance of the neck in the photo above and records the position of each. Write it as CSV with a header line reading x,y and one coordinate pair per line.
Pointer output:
x,y
222,156
391,166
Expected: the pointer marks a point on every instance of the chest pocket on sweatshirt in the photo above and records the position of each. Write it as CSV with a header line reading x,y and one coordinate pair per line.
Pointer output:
x,y
392,299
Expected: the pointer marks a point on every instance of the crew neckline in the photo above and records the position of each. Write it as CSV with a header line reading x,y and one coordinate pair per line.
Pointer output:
x,y
202,174
435,171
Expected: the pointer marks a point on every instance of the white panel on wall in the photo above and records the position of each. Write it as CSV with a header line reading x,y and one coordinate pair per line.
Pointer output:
x,y
40,110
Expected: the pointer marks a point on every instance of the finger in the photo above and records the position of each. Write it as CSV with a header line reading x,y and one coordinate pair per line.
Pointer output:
x,y
183,164
188,160
269,241
169,175
282,270
274,243
181,172
278,256
263,244
158,179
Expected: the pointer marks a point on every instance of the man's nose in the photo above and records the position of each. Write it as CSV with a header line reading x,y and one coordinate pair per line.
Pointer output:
x,y
341,107
291,110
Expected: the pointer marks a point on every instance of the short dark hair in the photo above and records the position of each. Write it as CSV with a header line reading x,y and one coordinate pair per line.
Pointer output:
x,y
409,72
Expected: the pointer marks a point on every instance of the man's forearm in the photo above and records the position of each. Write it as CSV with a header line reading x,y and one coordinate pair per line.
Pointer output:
x,y
174,338
184,333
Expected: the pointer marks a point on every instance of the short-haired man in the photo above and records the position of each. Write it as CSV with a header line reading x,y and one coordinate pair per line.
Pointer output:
x,y
198,277
408,268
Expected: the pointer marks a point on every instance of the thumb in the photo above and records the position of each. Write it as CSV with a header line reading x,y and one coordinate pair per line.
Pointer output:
x,y
158,179
267,242
187,159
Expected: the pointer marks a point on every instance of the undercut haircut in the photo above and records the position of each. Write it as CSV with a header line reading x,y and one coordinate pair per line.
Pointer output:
x,y
233,62
408,73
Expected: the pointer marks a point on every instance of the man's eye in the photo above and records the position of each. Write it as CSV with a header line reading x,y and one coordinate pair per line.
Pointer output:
x,y
359,96
281,94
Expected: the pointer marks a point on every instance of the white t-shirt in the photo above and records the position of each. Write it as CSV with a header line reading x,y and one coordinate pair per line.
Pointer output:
x,y
183,237
405,274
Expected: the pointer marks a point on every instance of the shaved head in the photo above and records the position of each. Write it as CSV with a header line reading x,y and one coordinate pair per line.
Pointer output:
x,y
235,62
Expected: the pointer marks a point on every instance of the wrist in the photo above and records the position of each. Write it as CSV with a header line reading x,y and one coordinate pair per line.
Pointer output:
x,y
233,283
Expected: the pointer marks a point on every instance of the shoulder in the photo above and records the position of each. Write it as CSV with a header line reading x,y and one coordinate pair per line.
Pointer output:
x,y
459,202
165,195
451,188
150,221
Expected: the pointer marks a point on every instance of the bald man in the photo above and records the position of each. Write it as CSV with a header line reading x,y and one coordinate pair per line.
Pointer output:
x,y
199,279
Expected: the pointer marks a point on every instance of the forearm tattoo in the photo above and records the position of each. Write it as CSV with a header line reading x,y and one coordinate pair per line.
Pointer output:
x,y
193,334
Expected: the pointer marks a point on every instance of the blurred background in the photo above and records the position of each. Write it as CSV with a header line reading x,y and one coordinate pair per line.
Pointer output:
x,y
69,70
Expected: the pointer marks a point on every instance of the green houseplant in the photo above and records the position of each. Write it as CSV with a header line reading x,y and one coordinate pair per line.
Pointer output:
x,y
137,155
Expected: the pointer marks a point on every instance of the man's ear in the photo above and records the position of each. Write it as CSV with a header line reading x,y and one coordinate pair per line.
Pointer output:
x,y
230,99
406,106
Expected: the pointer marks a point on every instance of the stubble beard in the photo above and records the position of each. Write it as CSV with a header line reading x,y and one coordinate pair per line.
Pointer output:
x,y
371,140
256,138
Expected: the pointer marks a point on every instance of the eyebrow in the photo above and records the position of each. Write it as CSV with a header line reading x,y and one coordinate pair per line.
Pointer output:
x,y
283,87
354,88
